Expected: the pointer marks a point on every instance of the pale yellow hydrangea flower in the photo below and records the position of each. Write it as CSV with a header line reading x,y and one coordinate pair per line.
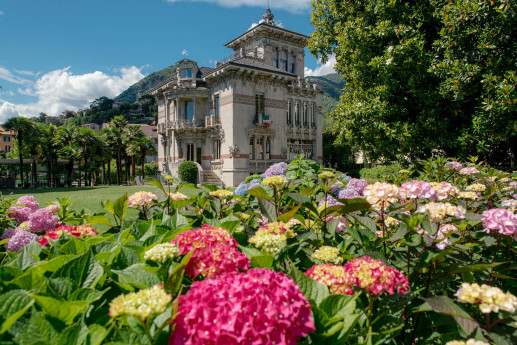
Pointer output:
x,y
268,242
438,211
141,304
476,187
177,196
326,174
275,181
161,252
489,298
328,254
469,342
391,222
221,193
468,195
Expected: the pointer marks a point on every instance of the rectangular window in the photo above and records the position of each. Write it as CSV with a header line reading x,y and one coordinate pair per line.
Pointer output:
x,y
289,112
190,152
189,110
283,60
275,58
305,117
252,148
268,148
259,104
216,106
313,115
7,148
297,113
260,147
7,139
217,149
186,73
292,64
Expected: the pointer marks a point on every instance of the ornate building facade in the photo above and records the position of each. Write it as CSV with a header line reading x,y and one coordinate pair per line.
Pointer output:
x,y
252,110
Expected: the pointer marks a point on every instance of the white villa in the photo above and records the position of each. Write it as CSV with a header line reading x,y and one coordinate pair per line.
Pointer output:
x,y
252,110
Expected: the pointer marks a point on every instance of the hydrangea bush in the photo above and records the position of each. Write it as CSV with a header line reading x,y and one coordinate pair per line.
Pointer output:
x,y
298,255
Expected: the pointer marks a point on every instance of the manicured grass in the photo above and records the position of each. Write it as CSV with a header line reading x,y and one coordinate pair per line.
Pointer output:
x,y
88,198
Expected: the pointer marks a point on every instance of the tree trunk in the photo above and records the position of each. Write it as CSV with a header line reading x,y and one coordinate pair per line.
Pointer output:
x,y
70,169
103,173
109,172
143,164
119,168
134,167
20,144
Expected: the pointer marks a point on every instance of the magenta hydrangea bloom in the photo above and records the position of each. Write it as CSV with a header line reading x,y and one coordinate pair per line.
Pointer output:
x,y
218,259
253,308
205,236
277,169
500,220
357,184
41,220
417,190
19,240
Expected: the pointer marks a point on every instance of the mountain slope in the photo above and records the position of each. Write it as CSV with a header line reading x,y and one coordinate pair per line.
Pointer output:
x,y
145,84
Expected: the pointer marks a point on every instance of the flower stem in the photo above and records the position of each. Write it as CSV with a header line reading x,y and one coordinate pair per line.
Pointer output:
x,y
493,259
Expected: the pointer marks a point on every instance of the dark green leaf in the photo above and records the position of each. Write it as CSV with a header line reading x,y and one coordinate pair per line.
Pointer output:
x,y
13,305
311,289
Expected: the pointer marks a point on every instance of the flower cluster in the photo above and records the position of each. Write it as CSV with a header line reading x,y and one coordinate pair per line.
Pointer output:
x,y
441,238
274,181
335,277
161,252
272,237
468,195
215,253
417,190
256,307
489,298
342,225
347,193
142,199
381,194
22,213
476,187
277,169
469,171
19,239
326,175
142,304
500,220
79,231
328,254
329,201
241,189
438,211
42,220
469,342
53,208
221,193
444,190
510,203
177,196
375,276
357,184
454,165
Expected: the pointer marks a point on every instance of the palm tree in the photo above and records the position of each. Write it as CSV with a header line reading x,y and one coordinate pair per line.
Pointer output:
x,y
132,150
67,140
49,150
21,126
33,146
108,139
117,126
146,147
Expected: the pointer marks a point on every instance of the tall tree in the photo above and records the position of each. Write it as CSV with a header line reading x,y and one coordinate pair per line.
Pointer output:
x,y
117,126
69,149
49,152
32,145
422,76
21,126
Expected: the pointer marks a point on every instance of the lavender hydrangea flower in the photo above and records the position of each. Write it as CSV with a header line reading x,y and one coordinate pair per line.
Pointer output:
x,y
276,169
10,233
417,190
357,184
347,193
41,220
454,165
20,239
254,183
336,186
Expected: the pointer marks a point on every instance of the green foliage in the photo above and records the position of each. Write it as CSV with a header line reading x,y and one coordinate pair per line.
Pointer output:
x,y
422,76
381,173
188,172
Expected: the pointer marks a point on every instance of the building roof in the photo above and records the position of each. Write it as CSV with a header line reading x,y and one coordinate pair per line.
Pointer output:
x,y
149,131
4,132
264,28
250,63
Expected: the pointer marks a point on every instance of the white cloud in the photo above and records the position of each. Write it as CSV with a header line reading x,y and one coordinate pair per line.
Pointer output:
x,y
27,92
1,13
8,76
184,52
61,90
322,69
295,6
27,73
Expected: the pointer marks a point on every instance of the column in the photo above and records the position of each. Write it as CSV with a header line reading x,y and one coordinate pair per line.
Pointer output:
x,y
194,111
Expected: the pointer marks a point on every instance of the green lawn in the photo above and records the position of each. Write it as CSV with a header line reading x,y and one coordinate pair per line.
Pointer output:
x,y
83,197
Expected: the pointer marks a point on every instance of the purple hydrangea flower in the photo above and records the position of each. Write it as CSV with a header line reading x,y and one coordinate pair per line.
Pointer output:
x,y
347,193
21,214
10,233
19,240
336,186
255,182
276,169
28,201
330,201
357,184
41,220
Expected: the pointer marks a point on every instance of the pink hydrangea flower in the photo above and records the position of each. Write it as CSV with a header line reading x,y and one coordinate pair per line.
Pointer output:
x,y
79,231
216,260
444,190
468,171
417,190
500,220
335,277
20,239
376,277
20,213
10,233
253,308
53,208
141,199
357,184
454,165
205,236
28,201
41,220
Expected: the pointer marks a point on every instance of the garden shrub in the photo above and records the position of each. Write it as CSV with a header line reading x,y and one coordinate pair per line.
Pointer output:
x,y
380,173
187,172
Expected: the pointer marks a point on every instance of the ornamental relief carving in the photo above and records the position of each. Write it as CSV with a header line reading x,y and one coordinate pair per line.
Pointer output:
x,y
234,151
258,131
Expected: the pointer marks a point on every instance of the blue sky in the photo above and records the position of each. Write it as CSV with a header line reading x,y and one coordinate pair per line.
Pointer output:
x,y
60,55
